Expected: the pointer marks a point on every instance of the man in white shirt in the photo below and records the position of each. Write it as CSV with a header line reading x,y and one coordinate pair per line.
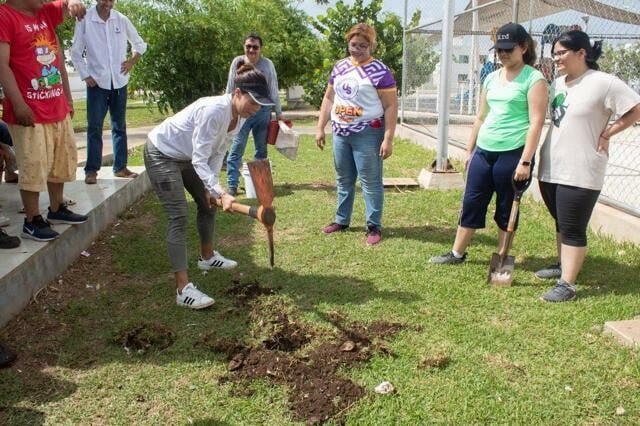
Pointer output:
x,y
99,53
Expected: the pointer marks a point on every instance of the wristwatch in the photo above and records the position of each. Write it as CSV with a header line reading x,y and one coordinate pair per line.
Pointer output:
x,y
525,163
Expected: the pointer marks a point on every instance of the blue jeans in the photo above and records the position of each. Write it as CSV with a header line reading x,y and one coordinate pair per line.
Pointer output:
x,y
98,102
258,124
354,155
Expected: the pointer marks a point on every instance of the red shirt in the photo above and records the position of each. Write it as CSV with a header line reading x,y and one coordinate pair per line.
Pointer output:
x,y
34,61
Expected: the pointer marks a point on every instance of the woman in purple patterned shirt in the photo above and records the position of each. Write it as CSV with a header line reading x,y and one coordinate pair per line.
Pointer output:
x,y
361,100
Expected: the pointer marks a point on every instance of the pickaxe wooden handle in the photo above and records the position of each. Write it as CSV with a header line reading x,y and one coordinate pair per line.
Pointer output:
x,y
266,216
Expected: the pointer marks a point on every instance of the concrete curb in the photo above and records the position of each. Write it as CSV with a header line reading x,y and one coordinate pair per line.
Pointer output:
x,y
44,261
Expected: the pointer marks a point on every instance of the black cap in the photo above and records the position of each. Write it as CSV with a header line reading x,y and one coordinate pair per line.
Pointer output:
x,y
510,35
258,93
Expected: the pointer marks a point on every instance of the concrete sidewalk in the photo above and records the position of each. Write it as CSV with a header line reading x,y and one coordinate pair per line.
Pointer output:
x,y
31,266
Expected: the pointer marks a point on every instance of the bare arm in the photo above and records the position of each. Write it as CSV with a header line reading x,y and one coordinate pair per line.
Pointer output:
x,y
325,114
538,99
477,123
74,8
24,115
622,123
389,99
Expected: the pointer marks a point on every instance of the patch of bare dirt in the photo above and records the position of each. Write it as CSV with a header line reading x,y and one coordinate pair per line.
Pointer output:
x,y
144,337
246,292
317,392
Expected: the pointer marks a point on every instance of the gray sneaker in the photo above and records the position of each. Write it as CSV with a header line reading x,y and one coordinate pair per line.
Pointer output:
x,y
562,292
448,258
549,272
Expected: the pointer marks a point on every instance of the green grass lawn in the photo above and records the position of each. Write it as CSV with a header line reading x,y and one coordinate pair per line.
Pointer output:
x,y
138,114
512,358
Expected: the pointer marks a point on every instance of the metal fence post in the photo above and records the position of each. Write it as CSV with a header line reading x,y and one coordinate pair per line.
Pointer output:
x,y
444,89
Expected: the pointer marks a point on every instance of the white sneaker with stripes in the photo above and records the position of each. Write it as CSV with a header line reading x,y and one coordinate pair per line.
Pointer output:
x,y
193,298
217,261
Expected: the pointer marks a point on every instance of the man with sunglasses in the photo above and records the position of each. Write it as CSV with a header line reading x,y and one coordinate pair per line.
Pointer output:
x,y
259,123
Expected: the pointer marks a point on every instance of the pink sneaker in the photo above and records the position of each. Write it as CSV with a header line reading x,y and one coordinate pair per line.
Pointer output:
x,y
334,227
374,235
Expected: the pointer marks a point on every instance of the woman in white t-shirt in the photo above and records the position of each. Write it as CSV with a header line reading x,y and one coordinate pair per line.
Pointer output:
x,y
186,152
574,155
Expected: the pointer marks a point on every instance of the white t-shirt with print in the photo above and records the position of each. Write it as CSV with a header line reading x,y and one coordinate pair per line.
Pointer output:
x,y
580,111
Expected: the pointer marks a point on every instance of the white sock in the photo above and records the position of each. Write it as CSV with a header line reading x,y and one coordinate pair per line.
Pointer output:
x,y
456,254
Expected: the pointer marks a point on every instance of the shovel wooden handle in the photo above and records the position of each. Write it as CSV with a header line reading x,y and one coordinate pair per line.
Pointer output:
x,y
513,216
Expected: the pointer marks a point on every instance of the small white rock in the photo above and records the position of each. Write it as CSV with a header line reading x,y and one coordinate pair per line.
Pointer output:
x,y
384,388
85,253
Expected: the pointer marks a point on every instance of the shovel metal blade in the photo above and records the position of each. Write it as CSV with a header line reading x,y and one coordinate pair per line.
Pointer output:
x,y
501,270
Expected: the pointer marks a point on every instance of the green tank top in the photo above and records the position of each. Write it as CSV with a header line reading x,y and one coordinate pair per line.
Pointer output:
x,y
506,125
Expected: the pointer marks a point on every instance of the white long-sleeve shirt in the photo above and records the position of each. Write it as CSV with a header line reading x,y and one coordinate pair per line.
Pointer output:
x,y
105,43
199,133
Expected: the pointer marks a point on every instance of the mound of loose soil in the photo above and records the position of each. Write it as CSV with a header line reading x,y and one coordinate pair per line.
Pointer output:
x,y
316,392
145,336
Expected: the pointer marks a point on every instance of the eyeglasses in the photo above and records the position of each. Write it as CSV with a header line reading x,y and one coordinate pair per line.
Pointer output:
x,y
505,50
252,46
559,53
358,46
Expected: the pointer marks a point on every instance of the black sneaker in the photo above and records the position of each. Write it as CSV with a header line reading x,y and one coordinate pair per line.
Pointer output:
x,y
64,215
448,259
7,356
38,229
8,241
562,292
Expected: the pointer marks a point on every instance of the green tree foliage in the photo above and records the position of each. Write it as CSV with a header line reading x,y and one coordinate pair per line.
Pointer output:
x,y
421,56
623,61
192,43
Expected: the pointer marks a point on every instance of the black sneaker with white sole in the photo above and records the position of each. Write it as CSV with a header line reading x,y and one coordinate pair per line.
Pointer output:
x,y
38,229
64,215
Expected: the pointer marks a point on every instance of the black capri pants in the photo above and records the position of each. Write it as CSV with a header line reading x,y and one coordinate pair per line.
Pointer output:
x,y
571,207
489,172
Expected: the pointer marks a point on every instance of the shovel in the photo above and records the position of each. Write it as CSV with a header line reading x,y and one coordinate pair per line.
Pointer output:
x,y
265,213
501,265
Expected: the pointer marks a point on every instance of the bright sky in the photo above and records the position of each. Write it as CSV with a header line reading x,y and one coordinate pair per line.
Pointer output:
x,y
431,9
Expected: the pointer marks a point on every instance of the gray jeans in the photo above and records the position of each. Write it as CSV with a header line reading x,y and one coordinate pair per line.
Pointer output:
x,y
169,178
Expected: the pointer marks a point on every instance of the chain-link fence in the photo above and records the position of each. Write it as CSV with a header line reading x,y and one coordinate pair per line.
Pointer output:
x,y
615,22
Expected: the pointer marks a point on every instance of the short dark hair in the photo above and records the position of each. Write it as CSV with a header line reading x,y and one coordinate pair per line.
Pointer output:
x,y
577,40
255,36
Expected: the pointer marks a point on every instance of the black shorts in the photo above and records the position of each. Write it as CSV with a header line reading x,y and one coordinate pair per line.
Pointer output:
x,y
571,207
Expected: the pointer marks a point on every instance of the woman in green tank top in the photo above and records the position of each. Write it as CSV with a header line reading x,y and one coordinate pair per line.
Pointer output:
x,y
503,140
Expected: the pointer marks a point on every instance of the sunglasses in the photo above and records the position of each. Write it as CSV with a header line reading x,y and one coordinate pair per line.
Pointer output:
x,y
505,50
252,46
359,46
